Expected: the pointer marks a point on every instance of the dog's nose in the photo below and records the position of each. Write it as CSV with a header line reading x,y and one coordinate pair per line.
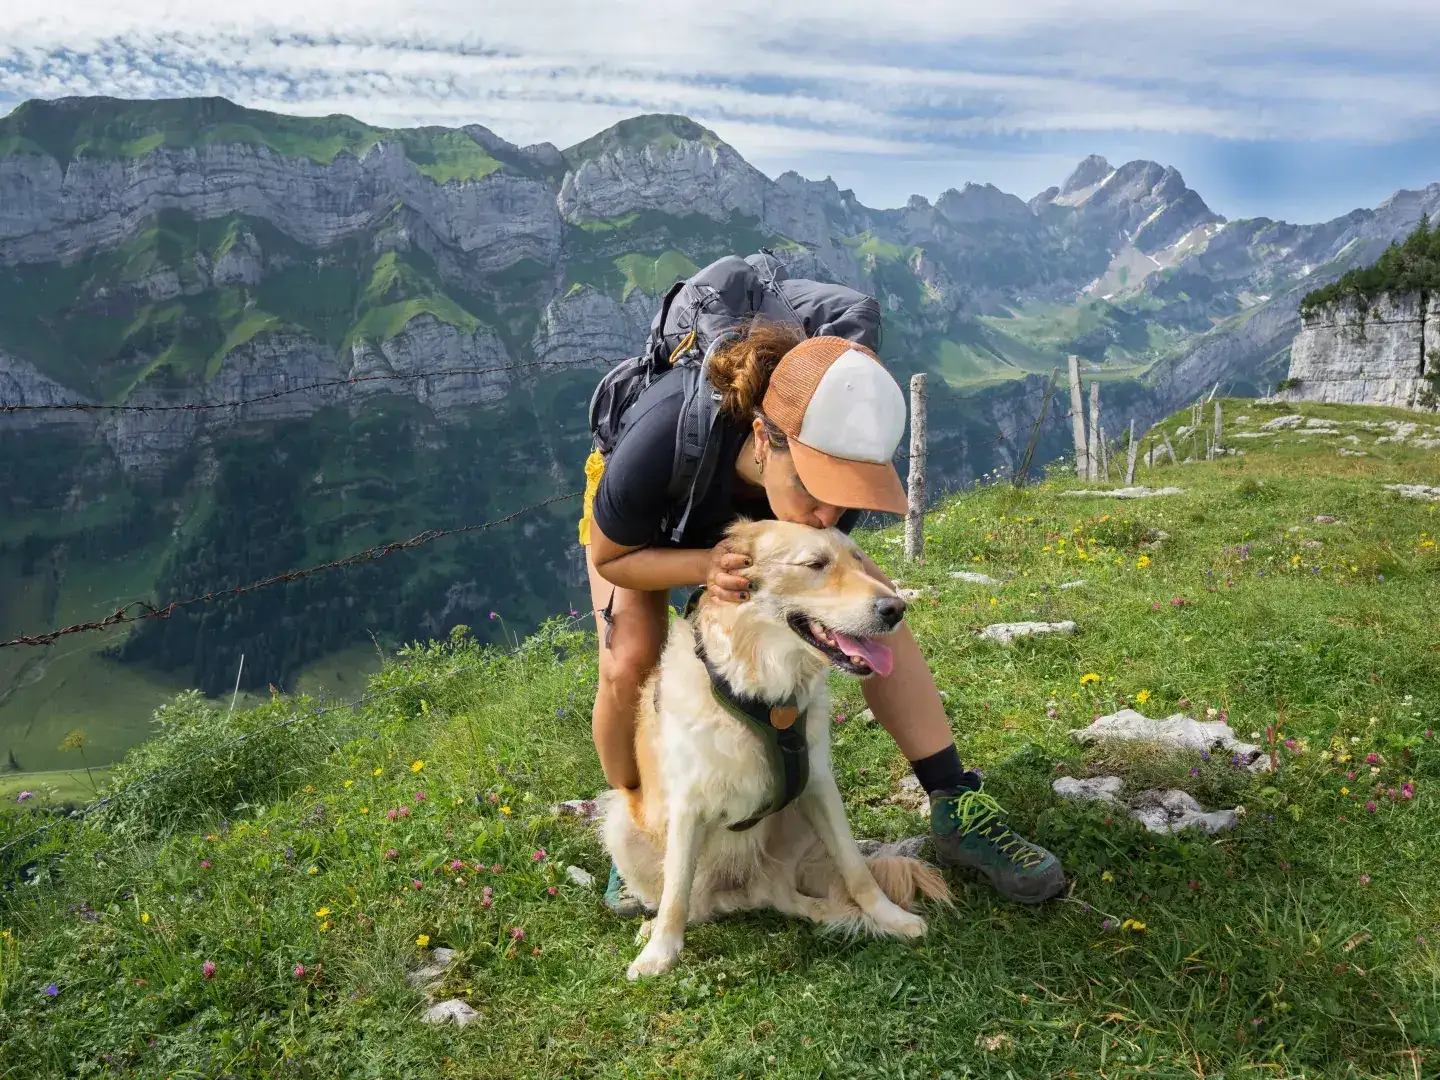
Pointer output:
x,y
891,610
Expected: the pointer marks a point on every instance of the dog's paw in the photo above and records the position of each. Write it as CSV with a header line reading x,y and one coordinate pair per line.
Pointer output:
x,y
656,958
643,934
894,920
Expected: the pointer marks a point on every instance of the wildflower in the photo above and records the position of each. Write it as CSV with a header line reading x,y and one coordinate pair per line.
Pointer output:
x,y
552,890
456,864
404,811
506,811
1390,794
324,926
51,991
313,871
517,934
539,854
1365,879
416,766
1407,790
1194,770
1107,876
349,783
497,868
1052,712
420,795
299,971
1350,775
392,854
418,884
1289,744
1107,924
1142,696
1155,606
1344,791
1088,678
1194,884
207,969
145,918
1134,925
493,797
1429,734
574,614
1178,601
390,814
322,913
378,770
1370,806
994,602
364,809
423,940
1184,703
1142,562
494,615
204,864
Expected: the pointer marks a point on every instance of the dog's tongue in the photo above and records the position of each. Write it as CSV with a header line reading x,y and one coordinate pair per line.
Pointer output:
x,y
872,652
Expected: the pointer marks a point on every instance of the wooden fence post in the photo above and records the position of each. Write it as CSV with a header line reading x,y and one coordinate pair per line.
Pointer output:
x,y
1130,456
915,516
1023,471
1077,421
1169,449
1093,457
1219,428
1104,456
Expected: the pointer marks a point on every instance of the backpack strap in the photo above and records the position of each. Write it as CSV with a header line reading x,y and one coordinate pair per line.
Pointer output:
x,y
656,345
696,448
780,727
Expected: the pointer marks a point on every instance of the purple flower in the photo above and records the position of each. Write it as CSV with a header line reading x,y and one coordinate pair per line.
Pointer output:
x,y
1372,759
204,864
574,614
404,811
24,795
1290,744
494,615
419,796
1107,924
207,969
456,864
1370,806
51,991
1407,791
1194,771
392,854
517,934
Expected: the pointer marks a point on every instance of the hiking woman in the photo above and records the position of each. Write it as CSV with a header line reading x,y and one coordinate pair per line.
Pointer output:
x,y
808,430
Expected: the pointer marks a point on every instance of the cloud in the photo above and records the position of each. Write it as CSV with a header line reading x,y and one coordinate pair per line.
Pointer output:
x,y
925,81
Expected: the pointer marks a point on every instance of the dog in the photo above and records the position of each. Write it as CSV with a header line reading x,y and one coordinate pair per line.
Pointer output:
x,y
688,841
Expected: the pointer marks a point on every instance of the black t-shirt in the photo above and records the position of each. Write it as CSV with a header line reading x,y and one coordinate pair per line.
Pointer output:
x,y
633,497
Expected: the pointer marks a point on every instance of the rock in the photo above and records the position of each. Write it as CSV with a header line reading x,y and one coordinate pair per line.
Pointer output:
x,y
911,795
1248,435
1346,452
585,809
1315,423
1415,491
1005,633
428,975
1313,545
1363,353
1126,492
1324,519
908,848
923,592
1095,789
1154,539
453,1011
1175,732
973,578
866,716
1283,423
1072,584
583,878
1170,811
1425,444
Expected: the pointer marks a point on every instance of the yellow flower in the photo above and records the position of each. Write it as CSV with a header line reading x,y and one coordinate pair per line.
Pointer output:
x,y
1133,924
506,811
1344,791
5,935
322,913
993,601
1088,678
1107,876
423,940
364,809
1294,560
378,770
1143,696
1143,561
349,783
417,766
313,870
145,917
324,926
1047,547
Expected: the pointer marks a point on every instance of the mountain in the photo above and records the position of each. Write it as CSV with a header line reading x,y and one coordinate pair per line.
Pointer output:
x,y
194,251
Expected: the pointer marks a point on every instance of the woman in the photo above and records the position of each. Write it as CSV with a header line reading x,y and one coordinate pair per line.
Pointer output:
x,y
809,428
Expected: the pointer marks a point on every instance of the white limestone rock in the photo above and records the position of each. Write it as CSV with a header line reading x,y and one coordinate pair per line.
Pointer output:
x,y
1415,491
1283,423
581,877
1362,354
1094,789
1005,633
908,848
973,578
1126,492
1172,810
1176,732
453,1011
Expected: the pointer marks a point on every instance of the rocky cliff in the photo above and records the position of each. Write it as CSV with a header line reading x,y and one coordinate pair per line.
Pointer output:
x,y
1368,353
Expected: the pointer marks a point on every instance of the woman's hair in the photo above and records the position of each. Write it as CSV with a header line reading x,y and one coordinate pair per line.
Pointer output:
x,y
741,371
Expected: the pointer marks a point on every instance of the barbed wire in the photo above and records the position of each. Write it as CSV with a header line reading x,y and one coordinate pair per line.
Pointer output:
x,y
368,555
88,406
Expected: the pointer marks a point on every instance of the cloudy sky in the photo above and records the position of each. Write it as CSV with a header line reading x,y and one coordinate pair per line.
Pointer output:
x,y
1295,110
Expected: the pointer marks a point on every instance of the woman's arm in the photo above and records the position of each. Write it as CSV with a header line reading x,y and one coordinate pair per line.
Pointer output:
x,y
651,569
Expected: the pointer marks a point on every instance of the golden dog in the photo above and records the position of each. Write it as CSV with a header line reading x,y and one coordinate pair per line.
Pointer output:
x,y
813,606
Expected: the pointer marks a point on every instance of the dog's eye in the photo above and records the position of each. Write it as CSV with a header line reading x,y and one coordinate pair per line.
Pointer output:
x,y
820,562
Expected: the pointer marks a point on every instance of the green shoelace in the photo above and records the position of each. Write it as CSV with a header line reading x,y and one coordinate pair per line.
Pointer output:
x,y
974,811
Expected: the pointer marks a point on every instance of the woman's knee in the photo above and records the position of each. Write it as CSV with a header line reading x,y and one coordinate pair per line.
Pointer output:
x,y
624,668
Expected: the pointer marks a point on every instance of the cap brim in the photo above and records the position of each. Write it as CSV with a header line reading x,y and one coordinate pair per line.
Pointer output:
x,y
855,485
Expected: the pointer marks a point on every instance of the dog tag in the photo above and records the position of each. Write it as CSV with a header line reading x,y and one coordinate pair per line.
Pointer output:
x,y
782,716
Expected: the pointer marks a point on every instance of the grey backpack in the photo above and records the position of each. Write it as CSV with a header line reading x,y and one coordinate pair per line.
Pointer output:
x,y
694,318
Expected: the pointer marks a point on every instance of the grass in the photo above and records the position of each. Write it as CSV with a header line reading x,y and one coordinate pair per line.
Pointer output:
x,y
1303,944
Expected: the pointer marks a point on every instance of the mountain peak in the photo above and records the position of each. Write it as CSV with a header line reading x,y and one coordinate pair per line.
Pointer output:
x,y
1087,174
665,130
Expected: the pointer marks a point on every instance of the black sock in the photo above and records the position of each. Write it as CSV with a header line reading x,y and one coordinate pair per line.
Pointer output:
x,y
942,771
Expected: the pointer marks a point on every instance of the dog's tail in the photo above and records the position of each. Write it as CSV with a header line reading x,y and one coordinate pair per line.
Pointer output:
x,y
902,879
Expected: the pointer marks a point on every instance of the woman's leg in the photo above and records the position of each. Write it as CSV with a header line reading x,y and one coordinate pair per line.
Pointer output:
x,y
636,633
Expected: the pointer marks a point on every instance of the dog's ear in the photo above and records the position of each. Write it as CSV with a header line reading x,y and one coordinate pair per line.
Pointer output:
x,y
740,537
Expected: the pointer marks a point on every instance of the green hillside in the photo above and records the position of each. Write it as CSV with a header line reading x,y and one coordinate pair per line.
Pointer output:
x,y
272,844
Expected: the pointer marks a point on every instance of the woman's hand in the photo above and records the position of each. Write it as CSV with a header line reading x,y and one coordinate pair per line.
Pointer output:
x,y
723,580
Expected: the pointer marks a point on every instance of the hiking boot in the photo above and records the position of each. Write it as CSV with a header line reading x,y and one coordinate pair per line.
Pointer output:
x,y
967,829
619,899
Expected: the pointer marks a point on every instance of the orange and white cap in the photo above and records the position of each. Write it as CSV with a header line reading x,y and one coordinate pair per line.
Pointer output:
x,y
844,416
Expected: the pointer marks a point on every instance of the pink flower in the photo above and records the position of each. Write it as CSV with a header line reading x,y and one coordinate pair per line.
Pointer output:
x,y
1184,703
552,890
24,795
207,969
1372,759
839,718
419,796
299,971
493,615
456,864
1290,744
204,864
392,854
517,934
497,868
487,897
1350,775
574,614
1179,601
418,884
1052,713
1364,879
1407,791
1429,734
539,855
390,814
1390,794
1155,606
404,811
1370,806
493,797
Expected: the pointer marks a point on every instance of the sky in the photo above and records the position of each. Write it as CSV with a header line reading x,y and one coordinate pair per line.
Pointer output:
x,y
1300,111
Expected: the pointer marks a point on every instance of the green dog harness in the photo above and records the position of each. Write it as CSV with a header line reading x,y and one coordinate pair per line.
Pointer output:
x,y
780,727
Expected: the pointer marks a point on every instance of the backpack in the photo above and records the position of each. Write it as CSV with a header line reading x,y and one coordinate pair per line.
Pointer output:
x,y
695,318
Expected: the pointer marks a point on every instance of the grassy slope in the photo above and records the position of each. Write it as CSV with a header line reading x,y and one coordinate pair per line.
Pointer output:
x,y
1299,945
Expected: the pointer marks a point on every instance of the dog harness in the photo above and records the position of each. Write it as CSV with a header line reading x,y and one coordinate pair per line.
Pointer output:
x,y
780,727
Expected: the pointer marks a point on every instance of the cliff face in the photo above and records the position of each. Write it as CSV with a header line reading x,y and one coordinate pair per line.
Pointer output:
x,y
1368,354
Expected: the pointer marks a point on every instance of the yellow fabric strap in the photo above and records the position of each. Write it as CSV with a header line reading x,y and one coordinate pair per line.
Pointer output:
x,y
594,469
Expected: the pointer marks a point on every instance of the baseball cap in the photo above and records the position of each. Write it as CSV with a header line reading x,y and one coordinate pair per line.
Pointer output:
x,y
843,415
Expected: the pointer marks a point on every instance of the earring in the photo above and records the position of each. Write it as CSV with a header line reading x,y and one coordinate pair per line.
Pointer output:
x,y
760,464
